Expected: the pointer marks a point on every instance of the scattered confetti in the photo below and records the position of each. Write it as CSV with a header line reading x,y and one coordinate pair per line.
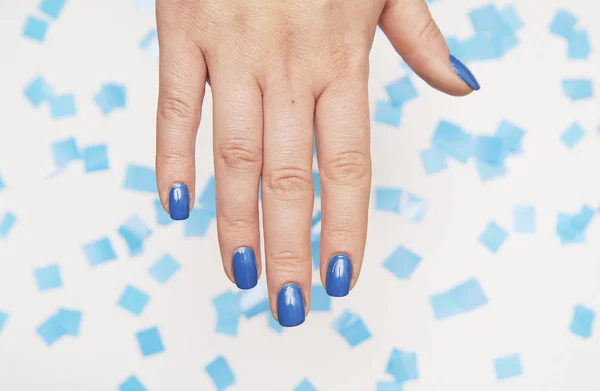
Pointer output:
x,y
351,327
508,367
402,262
461,299
6,224
572,135
95,158
52,8
48,277
523,218
133,300
578,89
99,252
493,237
164,269
132,384
35,29
140,178
134,231
150,342
583,321
111,97
220,373
305,385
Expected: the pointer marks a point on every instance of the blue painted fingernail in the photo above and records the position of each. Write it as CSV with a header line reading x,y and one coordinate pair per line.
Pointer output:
x,y
244,268
179,202
339,274
464,73
290,306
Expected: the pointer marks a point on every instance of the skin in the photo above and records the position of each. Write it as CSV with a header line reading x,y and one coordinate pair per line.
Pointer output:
x,y
277,68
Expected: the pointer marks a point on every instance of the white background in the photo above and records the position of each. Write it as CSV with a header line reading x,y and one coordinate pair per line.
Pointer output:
x,y
532,283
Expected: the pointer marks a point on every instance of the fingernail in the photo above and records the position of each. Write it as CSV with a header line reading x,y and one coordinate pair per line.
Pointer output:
x,y
244,268
179,202
339,274
290,306
464,73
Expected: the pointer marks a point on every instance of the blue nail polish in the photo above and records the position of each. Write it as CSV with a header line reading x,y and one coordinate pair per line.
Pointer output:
x,y
464,73
244,268
179,202
290,306
339,274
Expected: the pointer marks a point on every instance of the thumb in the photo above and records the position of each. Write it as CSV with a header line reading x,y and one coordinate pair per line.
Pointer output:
x,y
416,37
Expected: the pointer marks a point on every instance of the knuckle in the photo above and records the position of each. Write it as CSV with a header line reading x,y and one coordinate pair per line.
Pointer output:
x,y
240,156
347,167
175,107
340,233
286,262
290,183
174,161
232,224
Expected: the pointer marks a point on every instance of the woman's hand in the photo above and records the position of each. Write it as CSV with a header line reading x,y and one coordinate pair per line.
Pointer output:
x,y
276,69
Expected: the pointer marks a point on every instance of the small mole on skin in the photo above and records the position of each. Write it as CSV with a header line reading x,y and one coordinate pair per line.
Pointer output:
x,y
293,101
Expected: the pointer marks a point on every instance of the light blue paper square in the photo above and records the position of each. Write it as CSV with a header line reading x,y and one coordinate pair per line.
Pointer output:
x,y
65,151
524,218
48,277
132,384
35,28
150,341
320,300
462,298
433,161
63,106
572,136
402,262
579,47
220,373
99,251
578,89
70,321
51,330
134,231
403,366
140,178
6,224
489,150
164,269
305,385
493,237
582,322
52,8
401,91
389,386
452,141
388,114
3,320
133,300
508,367
351,327
162,217
563,24
198,222
387,199
95,158
38,91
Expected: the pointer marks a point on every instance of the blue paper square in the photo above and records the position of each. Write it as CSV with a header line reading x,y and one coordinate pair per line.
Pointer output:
x,y
489,150
70,321
402,366
486,20
320,300
488,172
38,91
228,313
162,217
6,224
65,151
413,208
462,298
35,28
208,198
134,231
579,45
401,91
511,19
52,8
48,277
433,161
253,302
582,322
220,373
274,325
508,367
112,96
198,222
578,89
51,330
132,384
493,237
402,262
2,184
305,385
133,300
164,269
351,327
452,141
389,386
572,136
95,158
150,342
387,113
512,137
3,319
387,199
62,106
315,251
563,24
99,251
317,184
524,218
140,178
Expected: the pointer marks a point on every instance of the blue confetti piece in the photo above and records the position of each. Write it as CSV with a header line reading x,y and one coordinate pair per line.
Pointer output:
x,y
461,299
413,207
579,47
70,321
387,199
111,97
578,89
99,251
583,321
512,137
228,313
320,300
208,198
433,161
145,5
401,91
38,91
452,141
523,218
48,277
254,301
3,320
352,328
95,158
133,300
198,222
52,8
164,269
51,330
62,106
315,220
511,19
140,178
488,172
65,151
162,217
6,224
317,184
480,47
305,385
274,325
489,150
387,113
508,367
389,386
220,373
132,384
572,136
563,24
315,250
486,20
402,366
493,237
134,231
2,184
35,29
150,342
402,262
570,228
